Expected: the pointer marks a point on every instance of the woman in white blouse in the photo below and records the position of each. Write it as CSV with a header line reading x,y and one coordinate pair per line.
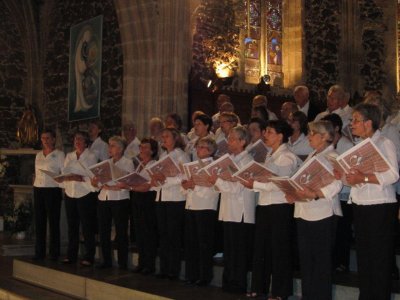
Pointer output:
x,y
80,201
144,209
200,220
274,219
315,213
114,205
47,196
237,212
98,146
170,206
374,208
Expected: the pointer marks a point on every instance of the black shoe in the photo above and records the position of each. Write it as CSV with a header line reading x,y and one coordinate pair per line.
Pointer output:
x,y
190,282
54,258
202,282
103,266
172,277
161,276
123,267
137,269
68,261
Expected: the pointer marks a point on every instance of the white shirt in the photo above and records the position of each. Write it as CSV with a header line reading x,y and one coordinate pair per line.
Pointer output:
x,y
77,189
283,163
132,150
271,116
391,132
171,189
322,114
125,164
100,149
201,198
322,208
384,192
346,115
305,108
53,162
301,146
237,202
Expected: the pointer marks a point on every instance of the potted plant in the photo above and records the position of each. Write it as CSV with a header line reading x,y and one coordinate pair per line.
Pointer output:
x,y
19,220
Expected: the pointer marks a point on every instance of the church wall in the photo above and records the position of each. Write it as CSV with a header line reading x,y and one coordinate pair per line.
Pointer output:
x,y
63,15
13,76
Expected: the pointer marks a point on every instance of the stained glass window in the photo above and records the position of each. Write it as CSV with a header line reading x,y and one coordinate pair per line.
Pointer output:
x,y
273,40
263,41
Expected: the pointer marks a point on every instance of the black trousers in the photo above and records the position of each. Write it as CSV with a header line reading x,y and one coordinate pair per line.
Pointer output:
x,y
344,236
47,206
238,253
374,227
315,239
272,250
199,244
143,207
118,211
81,211
170,217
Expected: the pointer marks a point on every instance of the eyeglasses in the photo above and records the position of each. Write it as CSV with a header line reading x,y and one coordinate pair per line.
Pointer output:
x,y
312,133
357,121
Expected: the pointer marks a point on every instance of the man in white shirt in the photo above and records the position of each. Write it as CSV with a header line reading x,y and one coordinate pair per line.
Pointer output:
x,y
261,100
129,132
336,98
287,109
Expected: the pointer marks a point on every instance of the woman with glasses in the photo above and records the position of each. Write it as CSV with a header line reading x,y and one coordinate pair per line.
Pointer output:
x,y
80,201
374,208
315,213
200,220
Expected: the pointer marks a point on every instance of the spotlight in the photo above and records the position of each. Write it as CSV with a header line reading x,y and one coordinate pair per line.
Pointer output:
x,y
266,78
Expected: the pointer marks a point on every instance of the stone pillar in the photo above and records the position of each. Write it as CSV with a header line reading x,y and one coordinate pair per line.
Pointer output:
x,y
292,43
155,40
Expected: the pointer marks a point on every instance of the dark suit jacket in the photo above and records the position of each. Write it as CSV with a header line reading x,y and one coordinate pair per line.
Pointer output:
x,y
313,111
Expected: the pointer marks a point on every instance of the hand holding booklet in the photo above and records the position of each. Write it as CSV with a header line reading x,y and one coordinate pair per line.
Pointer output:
x,y
106,171
365,157
165,166
314,174
254,171
195,171
132,179
224,167
55,176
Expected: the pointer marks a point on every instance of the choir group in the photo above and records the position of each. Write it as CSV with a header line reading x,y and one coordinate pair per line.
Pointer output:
x,y
257,225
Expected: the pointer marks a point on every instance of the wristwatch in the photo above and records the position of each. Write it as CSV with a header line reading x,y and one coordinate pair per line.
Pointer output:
x,y
366,179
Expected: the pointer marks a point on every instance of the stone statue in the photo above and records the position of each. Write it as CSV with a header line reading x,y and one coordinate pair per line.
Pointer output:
x,y
27,130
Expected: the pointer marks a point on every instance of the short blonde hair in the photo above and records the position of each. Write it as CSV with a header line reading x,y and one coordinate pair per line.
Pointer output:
x,y
119,140
323,127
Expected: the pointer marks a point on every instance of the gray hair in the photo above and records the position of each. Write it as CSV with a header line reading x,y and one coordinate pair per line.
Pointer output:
x,y
301,89
323,127
210,142
242,134
121,142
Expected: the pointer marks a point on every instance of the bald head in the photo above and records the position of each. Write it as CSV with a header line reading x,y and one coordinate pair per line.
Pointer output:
x,y
259,100
301,95
287,109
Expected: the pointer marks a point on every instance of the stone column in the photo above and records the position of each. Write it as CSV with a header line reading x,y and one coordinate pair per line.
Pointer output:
x,y
155,39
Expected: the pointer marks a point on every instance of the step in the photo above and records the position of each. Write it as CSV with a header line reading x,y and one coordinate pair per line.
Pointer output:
x,y
89,283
